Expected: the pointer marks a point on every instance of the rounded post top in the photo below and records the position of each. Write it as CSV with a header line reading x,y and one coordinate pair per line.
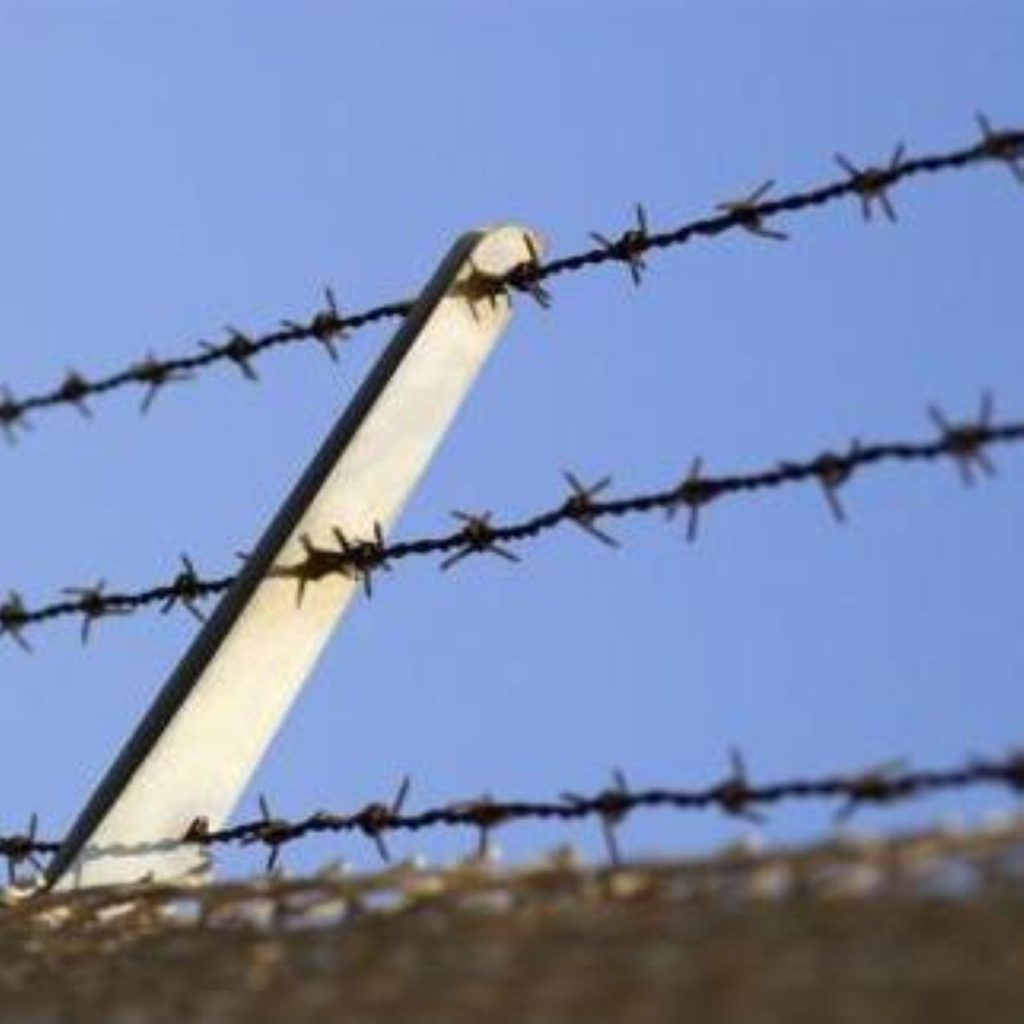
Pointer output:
x,y
502,248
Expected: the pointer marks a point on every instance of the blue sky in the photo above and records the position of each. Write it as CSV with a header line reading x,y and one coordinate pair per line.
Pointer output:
x,y
171,168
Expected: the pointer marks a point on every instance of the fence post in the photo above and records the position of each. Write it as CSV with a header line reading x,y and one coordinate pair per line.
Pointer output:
x,y
195,750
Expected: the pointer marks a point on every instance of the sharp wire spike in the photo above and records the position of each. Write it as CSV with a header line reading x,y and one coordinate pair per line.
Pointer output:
x,y
272,832
875,785
186,591
580,506
327,327
833,472
735,793
156,375
400,797
616,800
13,615
73,390
22,848
1003,146
239,348
477,535
525,277
93,604
965,442
483,843
693,492
360,559
375,818
750,217
872,183
630,246
12,416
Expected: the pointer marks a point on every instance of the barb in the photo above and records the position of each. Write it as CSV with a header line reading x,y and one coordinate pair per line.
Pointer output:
x,y
736,795
964,443
1003,146
24,848
872,183
329,326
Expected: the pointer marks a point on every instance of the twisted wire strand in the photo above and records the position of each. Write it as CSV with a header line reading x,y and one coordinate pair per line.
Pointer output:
x,y
735,795
964,443
908,862
328,327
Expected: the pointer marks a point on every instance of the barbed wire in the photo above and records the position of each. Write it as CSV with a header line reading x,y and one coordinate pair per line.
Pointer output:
x,y
966,443
329,326
736,795
973,859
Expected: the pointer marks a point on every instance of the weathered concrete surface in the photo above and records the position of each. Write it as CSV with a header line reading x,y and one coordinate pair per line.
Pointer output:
x,y
817,937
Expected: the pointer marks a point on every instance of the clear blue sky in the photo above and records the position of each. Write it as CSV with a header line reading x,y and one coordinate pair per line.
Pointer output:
x,y
171,168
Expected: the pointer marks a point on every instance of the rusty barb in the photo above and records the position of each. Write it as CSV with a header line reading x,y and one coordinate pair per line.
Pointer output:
x,y
737,795
965,443
329,326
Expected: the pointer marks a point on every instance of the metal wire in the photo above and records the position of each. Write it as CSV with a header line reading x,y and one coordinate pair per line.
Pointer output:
x,y
735,795
328,327
965,443
916,863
